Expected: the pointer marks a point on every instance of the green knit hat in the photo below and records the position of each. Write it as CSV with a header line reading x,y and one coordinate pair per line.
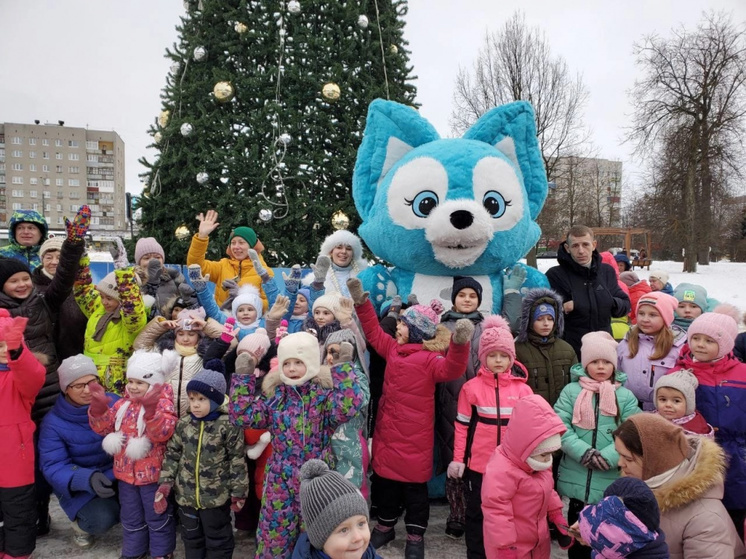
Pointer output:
x,y
247,234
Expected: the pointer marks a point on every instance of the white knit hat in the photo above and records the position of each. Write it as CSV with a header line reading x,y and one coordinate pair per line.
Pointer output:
x,y
248,295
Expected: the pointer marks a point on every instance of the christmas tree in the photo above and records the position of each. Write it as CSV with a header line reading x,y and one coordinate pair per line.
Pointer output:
x,y
263,112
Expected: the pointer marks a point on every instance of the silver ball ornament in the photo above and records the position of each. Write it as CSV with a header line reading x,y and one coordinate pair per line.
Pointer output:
x,y
199,53
265,214
202,177
285,139
362,22
186,129
294,7
175,68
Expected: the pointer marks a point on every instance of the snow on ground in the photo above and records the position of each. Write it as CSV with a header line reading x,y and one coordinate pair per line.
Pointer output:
x,y
724,281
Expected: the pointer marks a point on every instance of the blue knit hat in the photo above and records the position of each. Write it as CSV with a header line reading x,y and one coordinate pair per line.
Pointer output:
x,y
306,293
210,382
543,309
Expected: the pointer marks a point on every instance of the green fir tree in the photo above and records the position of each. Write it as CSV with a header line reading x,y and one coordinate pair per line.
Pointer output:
x,y
279,144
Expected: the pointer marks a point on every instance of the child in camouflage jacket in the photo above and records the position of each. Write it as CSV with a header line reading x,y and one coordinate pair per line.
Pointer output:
x,y
205,465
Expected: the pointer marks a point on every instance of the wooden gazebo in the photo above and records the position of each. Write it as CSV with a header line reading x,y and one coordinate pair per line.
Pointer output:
x,y
627,233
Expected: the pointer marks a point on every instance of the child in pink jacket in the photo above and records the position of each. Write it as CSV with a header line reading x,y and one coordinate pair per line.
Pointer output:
x,y
485,405
518,496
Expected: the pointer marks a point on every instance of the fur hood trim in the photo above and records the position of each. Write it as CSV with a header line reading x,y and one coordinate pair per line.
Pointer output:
x,y
273,380
440,342
529,300
706,472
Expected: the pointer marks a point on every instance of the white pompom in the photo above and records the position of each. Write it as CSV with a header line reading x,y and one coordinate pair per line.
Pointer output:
x,y
138,448
113,443
148,301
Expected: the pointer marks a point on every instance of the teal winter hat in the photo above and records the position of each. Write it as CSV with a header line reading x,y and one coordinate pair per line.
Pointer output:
x,y
691,293
247,234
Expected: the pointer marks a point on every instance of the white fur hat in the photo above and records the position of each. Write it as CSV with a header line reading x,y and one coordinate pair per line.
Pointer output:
x,y
145,366
344,237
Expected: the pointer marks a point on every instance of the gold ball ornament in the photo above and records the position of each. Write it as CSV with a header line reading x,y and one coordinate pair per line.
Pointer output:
x,y
393,49
223,91
331,91
340,220
163,118
240,28
182,233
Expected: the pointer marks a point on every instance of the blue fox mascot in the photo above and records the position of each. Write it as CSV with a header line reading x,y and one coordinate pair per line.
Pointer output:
x,y
437,208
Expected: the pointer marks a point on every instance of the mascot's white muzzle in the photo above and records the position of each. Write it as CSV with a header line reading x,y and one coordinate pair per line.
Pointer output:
x,y
459,232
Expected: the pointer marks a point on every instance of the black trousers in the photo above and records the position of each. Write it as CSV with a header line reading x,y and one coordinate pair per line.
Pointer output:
x,y
738,516
577,551
42,489
391,498
207,532
17,520
474,534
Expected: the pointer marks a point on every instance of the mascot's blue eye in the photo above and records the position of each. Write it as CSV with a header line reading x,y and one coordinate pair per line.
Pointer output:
x,y
423,203
495,204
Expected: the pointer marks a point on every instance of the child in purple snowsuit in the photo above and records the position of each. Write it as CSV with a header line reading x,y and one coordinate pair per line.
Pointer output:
x,y
301,403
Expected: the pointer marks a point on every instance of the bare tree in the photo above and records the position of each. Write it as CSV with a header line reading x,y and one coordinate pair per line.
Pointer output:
x,y
692,93
516,63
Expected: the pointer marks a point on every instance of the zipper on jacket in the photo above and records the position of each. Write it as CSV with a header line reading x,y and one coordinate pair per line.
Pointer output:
x,y
593,445
652,375
178,394
196,466
497,401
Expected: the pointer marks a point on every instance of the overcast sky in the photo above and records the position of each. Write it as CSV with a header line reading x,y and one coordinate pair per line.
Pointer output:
x,y
99,63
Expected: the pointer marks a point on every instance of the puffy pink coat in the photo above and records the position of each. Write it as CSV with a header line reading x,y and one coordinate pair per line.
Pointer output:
x,y
492,397
405,433
516,499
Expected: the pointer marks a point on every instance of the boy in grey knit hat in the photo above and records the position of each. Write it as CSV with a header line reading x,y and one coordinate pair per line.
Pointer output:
x,y
335,514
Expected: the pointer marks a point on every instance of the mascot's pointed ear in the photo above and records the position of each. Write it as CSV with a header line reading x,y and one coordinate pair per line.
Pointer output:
x,y
391,131
512,130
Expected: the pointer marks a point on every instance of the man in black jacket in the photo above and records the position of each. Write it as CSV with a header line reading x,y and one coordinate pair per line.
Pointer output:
x,y
590,293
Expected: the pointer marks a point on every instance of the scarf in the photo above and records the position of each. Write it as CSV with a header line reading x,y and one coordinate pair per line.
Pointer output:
x,y
321,332
476,317
537,340
103,323
184,351
339,275
213,415
582,413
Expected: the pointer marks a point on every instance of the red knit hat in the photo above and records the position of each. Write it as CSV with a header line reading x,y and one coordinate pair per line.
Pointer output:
x,y
496,336
664,303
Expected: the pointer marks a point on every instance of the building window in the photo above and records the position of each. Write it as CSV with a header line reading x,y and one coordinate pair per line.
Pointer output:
x,y
72,143
73,208
17,166
35,207
17,193
32,141
59,182
73,182
17,153
16,140
2,166
33,180
33,194
47,194
32,167
73,170
44,142
91,144
45,168
32,154
73,156
59,207
17,180
2,179
45,155
17,206
59,220
46,207
92,157
46,182
58,155
58,143
59,168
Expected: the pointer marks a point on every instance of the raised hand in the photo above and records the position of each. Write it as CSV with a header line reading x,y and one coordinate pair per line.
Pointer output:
x,y
229,332
207,223
323,262
99,400
345,310
78,227
246,364
149,402
199,282
292,281
355,287
280,308
260,270
463,332
513,279
154,271
346,352
13,333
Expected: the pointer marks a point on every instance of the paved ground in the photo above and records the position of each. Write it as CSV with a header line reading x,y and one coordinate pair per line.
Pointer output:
x,y
59,543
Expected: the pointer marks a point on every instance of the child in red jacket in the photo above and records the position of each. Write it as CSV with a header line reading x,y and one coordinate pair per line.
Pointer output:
x,y
405,434
21,378
485,405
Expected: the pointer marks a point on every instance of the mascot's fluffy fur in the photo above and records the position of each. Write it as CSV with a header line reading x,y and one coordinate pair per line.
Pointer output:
x,y
437,208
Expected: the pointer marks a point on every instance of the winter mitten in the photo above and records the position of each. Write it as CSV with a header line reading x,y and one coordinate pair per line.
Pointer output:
x,y
199,282
280,308
231,286
154,271
320,270
13,333
412,300
255,450
463,332
186,291
245,364
78,227
344,311
355,286
260,270
101,485
99,400
160,503
456,470
395,307
229,333
564,540
513,279
345,353
292,281
237,504
149,402
507,553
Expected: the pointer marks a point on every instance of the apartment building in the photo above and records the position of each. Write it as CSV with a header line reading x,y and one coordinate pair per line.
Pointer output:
x,y
54,169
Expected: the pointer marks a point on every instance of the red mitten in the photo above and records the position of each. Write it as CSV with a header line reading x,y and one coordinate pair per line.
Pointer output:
x,y
237,504
149,402
78,227
13,333
99,400
160,503
507,553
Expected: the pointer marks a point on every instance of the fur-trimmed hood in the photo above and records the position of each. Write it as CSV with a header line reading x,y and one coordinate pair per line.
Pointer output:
x,y
530,300
440,342
704,478
273,380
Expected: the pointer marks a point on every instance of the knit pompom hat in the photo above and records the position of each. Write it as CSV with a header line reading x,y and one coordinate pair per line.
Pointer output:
x,y
463,282
664,445
664,303
720,327
145,366
248,295
660,275
328,301
598,345
685,382
9,267
75,367
421,320
210,382
148,245
246,233
326,500
496,336
304,347
690,293
52,243
256,343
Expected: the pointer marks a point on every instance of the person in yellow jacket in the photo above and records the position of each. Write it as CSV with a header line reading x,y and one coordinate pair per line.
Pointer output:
x,y
116,314
238,266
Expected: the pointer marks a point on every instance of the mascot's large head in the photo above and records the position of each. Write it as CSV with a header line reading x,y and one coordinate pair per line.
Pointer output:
x,y
449,206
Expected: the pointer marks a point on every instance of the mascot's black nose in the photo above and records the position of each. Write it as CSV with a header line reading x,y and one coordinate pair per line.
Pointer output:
x,y
461,219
